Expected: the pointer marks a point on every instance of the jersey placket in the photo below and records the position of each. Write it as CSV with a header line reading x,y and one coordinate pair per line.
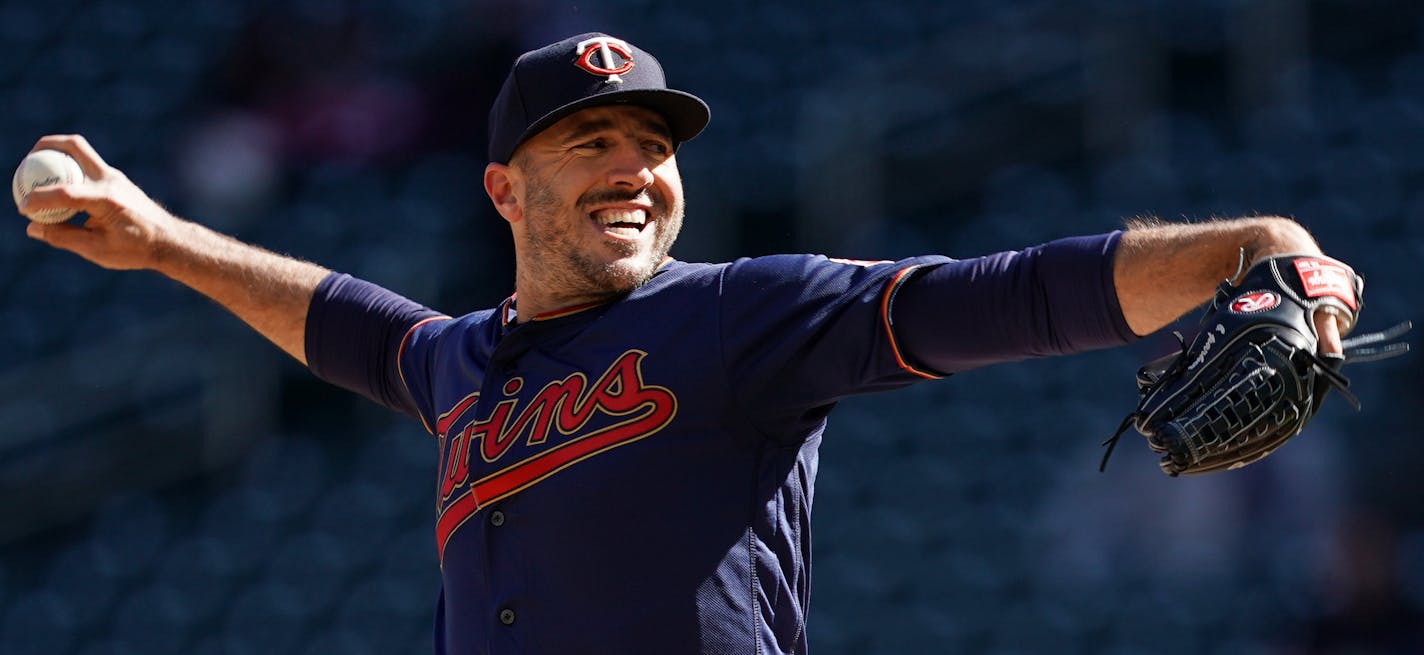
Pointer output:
x,y
498,525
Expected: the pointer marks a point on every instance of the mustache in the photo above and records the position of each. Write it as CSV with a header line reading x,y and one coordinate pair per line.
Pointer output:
x,y
605,196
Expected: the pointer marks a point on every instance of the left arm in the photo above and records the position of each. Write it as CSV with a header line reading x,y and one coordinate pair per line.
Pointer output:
x,y
1083,293
1163,270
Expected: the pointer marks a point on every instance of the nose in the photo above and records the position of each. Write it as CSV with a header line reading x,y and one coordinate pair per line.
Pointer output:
x,y
629,168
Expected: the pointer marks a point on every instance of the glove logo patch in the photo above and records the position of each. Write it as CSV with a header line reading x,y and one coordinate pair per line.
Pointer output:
x,y
1326,278
1256,301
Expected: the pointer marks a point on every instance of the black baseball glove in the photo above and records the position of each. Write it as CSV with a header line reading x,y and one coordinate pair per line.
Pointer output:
x,y
1252,378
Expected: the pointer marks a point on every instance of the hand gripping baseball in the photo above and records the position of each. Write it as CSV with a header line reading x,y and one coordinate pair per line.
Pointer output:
x,y
125,228
1254,376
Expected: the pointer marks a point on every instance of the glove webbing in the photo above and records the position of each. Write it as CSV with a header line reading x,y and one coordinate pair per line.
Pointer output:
x,y
1252,388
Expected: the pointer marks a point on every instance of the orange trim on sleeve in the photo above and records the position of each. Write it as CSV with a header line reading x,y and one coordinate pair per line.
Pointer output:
x,y
890,333
401,371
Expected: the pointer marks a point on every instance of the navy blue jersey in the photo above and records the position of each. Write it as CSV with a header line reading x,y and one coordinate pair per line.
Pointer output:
x,y
636,476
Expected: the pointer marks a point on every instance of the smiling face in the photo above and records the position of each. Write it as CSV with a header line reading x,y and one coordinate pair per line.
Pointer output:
x,y
594,202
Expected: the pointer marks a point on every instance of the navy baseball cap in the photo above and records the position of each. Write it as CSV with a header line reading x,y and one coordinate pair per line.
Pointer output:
x,y
583,71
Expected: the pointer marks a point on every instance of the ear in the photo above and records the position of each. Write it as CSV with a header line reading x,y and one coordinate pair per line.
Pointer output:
x,y
501,184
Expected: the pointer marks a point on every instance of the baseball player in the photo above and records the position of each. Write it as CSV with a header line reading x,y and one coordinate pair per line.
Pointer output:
x,y
628,443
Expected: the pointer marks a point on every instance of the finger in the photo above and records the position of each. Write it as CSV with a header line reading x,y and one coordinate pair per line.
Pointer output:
x,y
64,236
79,197
1328,329
75,146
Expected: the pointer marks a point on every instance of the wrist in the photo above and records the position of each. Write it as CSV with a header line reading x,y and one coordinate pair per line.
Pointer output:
x,y
1272,236
171,243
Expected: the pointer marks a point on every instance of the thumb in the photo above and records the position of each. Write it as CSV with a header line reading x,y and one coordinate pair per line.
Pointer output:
x,y
1328,329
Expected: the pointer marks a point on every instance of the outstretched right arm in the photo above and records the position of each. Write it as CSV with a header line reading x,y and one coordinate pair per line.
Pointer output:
x,y
127,230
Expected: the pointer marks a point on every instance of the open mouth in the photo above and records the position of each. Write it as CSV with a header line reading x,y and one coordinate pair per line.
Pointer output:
x,y
621,222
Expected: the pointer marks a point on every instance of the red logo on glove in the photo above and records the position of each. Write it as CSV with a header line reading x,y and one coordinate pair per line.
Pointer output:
x,y
1256,301
1322,277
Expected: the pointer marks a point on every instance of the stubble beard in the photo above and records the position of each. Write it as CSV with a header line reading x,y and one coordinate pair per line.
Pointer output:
x,y
569,269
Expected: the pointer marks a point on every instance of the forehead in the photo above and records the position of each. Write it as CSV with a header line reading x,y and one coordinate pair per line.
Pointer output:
x,y
618,117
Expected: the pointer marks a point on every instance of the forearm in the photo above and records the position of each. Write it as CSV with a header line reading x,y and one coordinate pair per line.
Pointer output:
x,y
269,292
1162,270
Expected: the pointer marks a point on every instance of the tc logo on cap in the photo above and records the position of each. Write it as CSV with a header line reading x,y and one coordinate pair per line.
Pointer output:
x,y
615,57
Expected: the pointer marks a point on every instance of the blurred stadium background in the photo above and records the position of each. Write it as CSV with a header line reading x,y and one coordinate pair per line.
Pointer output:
x,y
171,484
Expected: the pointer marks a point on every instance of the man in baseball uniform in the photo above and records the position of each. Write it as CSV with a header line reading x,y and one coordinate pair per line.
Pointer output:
x,y
628,443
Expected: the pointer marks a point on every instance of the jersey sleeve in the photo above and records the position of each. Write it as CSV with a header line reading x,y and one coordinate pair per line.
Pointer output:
x,y
1054,299
799,332
355,334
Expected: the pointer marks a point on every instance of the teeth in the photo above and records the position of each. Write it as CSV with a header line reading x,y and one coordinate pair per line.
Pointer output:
x,y
611,216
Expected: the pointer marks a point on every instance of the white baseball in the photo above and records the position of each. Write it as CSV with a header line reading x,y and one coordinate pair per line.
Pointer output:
x,y
40,168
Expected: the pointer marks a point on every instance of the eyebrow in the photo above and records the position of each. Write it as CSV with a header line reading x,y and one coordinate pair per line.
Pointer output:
x,y
592,126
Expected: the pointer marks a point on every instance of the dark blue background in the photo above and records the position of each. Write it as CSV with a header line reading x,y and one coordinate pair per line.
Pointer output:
x,y
171,484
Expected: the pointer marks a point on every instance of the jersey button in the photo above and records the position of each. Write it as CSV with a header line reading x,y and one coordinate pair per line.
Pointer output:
x,y
506,616
496,518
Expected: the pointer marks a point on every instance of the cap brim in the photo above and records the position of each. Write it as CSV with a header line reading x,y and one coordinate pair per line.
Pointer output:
x,y
686,114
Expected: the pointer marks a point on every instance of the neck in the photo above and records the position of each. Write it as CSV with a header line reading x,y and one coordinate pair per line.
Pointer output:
x,y
535,298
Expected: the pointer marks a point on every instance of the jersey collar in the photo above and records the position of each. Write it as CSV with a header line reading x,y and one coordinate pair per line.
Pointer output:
x,y
508,313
